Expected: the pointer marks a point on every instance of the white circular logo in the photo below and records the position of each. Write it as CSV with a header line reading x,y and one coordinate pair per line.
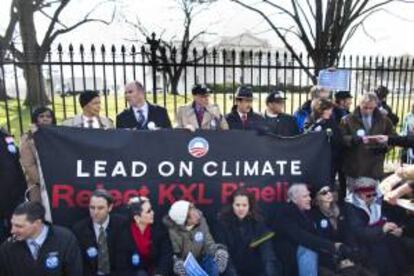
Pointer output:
x,y
324,223
11,148
52,262
92,252
135,260
198,147
360,132
199,237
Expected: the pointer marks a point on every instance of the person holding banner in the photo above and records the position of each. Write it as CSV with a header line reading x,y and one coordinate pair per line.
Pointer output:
x,y
372,230
98,235
41,116
143,248
90,103
247,238
141,114
38,248
190,238
200,114
242,115
364,156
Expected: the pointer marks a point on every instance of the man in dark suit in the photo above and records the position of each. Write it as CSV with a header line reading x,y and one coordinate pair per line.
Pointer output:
x,y
98,234
242,115
141,114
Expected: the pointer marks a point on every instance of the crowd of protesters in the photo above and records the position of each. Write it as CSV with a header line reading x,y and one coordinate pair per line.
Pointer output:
x,y
346,228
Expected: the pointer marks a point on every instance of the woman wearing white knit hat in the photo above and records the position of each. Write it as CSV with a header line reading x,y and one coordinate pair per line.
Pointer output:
x,y
189,233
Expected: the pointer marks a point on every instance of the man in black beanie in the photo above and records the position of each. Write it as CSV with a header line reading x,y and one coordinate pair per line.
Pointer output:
x,y
91,106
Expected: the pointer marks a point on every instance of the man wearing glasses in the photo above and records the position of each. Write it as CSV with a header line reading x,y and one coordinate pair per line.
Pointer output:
x,y
141,115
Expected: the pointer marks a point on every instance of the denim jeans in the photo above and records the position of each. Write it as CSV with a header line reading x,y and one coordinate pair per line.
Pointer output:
x,y
307,262
209,266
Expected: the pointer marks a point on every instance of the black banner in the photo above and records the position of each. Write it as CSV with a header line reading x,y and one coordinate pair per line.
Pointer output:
x,y
204,167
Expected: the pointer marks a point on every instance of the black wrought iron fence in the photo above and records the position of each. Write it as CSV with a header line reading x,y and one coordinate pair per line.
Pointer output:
x,y
67,71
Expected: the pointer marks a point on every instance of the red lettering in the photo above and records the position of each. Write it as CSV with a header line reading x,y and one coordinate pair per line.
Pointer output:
x,y
201,195
82,198
188,191
117,195
227,189
62,192
165,193
268,194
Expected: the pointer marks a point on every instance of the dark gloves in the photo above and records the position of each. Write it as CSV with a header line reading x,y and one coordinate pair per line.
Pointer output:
x,y
346,252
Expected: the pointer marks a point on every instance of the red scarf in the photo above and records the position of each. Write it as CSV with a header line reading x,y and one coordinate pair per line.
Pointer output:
x,y
143,242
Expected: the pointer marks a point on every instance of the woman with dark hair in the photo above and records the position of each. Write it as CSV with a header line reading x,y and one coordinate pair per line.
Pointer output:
x,y
321,120
143,248
41,116
247,238
329,221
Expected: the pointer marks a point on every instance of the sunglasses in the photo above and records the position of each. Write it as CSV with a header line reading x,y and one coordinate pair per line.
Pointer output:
x,y
371,195
325,192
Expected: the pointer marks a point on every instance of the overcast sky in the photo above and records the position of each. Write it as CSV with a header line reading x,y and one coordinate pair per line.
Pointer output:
x,y
391,31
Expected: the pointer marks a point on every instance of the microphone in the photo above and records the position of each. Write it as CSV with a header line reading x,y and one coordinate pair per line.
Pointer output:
x,y
329,133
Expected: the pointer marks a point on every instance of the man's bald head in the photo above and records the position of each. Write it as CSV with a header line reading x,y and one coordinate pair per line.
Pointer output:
x,y
135,94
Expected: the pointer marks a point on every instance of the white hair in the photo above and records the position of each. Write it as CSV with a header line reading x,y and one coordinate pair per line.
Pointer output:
x,y
369,97
294,190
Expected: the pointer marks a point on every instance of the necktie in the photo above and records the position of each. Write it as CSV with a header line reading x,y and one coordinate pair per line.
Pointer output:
x,y
200,116
36,248
367,122
244,120
103,254
90,123
140,119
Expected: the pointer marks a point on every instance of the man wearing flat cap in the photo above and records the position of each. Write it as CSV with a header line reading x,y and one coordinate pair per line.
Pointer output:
x,y
343,102
279,123
200,114
141,114
90,118
242,115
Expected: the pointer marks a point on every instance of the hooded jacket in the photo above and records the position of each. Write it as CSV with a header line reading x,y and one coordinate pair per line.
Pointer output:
x,y
197,240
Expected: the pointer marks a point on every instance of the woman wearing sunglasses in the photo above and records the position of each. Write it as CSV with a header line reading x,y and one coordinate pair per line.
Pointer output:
x,y
144,248
330,223
377,236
